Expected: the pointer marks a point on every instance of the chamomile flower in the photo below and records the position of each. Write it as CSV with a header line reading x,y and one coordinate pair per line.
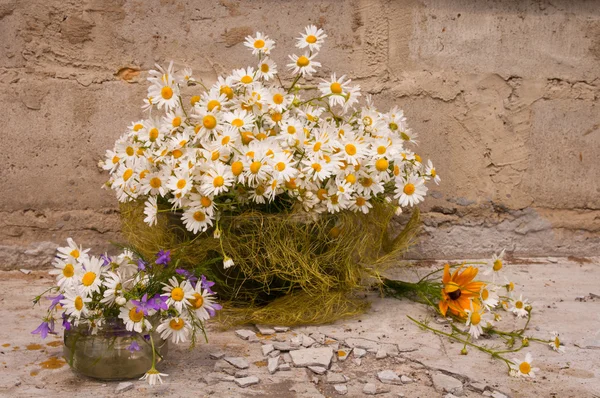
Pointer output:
x,y
489,297
218,178
283,167
178,293
164,92
312,38
336,89
317,168
151,211
360,203
114,288
239,119
497,265
523,367
180,183
228,262
431,173
555,343
304,64
267,69
178,329
155,183
75,303
196,220
243,77
134,319
518,307
67,272
278,99
476,321
203,304
72,252
260,44
410,191
91,276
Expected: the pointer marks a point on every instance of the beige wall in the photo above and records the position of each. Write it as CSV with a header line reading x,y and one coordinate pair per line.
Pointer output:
x,y
504,95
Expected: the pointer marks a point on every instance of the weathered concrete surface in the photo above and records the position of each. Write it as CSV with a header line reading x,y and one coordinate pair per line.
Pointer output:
x,y
553,288
504,95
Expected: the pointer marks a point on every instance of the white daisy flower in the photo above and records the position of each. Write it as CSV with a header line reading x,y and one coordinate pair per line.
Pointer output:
x,y
153,376
267,69
410,191
91,276
555,344
523,368
283,167
228,262
151,211
177,293
518,307
360,203
203,302
180,183
239,119
67,272
312,38
134,318
497,265
178,329
72,252
476,321
317,168
336,89
196,219
260,44
278,100
75,302
217,179
431,173
164,94
114,288
243,77
304,64
489,297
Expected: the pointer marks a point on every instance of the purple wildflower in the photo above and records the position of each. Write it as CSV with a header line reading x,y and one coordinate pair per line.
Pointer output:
x,y
163,257
134,346
215,307
45,328
188,275
66,323
159,302
143,304
106,260
141,265
55,301
206,284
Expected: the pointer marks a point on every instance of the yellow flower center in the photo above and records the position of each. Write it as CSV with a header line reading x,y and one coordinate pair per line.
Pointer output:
x,y
181,184
317,147
433,173
316,167
302,61
166,92
334,199
88,278
228,91
351,178
393,126
259,43
404,136
276,117
255,167
382,165
260,190
485,294
153,134
409,189
264,68
155,182
127,174
237,168
129,151
209,121
417,158
199,216
212,104
280,166
350,149
381,150
278,99
291,184
138,127
246,79
136,315
197,301
322,194
115,159
366,182
511,286
360,201
75,253
312,39
177,153
367,121
218,181
556,342
215,155
177,294
194,99
68,271
497,265
475,318
176,121
519,304
336,88
525,368
78,303
237,123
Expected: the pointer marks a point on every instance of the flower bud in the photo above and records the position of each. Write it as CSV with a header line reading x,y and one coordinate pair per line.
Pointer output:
x,y
464,351
120,300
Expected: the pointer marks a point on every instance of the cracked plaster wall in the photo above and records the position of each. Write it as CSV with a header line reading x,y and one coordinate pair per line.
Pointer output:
x,y
504,96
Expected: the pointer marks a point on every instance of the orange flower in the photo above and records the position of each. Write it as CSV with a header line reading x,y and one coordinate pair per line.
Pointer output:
x,y
458,291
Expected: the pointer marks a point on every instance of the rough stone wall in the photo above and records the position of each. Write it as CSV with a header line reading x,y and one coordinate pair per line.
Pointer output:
x,y
504,95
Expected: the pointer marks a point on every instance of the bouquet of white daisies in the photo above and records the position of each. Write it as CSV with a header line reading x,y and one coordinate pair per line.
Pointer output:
x,y
145,296
251,141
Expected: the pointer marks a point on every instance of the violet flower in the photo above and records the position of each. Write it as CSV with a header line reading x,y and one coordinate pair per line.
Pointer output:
x,y
134,346
141,265
206,284
215,307
159,302
188,275
55,301
66,323
107,260
143,304
45,328
163,257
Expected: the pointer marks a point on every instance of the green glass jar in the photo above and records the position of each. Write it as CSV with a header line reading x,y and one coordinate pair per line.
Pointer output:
x,y
113,353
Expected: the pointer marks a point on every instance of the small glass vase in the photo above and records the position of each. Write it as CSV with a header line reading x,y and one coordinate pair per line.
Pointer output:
x,y
109,354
